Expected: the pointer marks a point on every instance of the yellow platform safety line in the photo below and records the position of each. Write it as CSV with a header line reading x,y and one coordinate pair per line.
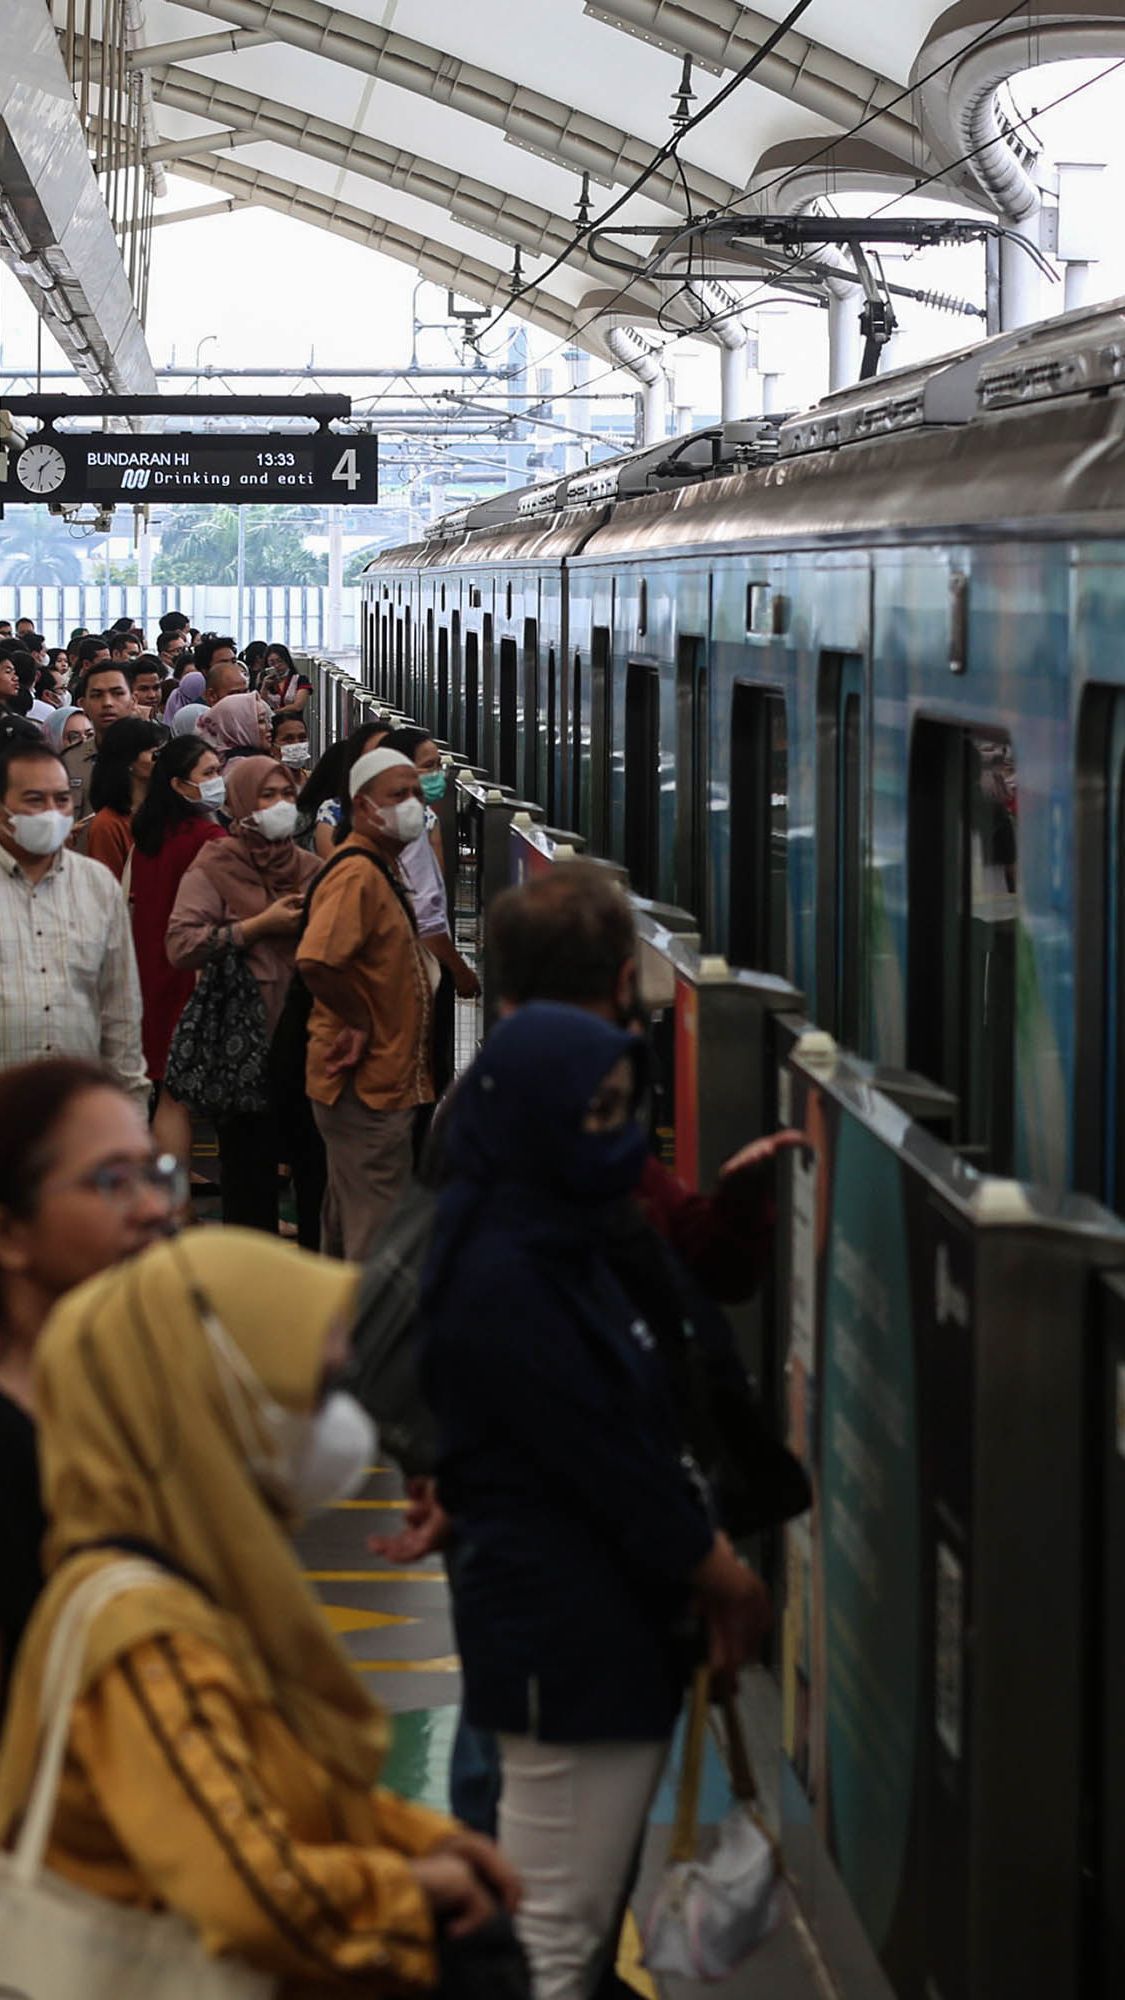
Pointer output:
x,y
449,1663
386,1506
347,1618
374,1575
629,1966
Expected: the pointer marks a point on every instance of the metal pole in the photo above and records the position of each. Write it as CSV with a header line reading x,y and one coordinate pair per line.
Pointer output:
x,y
335,579
241,576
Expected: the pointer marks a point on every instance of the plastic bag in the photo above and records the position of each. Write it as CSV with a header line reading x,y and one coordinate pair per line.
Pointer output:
x,y
710,1914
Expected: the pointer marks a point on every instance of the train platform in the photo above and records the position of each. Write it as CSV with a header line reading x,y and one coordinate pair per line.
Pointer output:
x,y
396,1624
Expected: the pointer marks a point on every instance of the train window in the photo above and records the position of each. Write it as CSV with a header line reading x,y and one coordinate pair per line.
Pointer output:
x,y
428,666
962,861
441,725
552,734
472,697
839,848
642,609
508,599
398,661
642,776
759,614
530,709
404,697
443,597
691,777
400,593
601,703
759,829
475,599
509,667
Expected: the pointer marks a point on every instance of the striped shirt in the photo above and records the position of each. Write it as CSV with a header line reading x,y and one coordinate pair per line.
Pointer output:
x,y
68,975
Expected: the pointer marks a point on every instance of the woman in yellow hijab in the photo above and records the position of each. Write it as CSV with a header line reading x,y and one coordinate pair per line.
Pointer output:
x,y
223,1755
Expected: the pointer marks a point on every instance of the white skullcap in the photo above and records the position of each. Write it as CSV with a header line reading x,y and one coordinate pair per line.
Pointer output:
x,y
369,766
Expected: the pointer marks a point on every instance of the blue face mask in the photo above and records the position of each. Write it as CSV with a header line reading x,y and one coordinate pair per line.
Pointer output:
x,y
603,1166
433,784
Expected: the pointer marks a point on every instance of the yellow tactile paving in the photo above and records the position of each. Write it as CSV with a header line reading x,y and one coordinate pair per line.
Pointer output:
x,y
374,1575
629,1966
447,1664
347,1618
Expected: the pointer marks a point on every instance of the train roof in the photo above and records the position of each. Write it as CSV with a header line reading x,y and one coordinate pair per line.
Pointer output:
x,y
932,429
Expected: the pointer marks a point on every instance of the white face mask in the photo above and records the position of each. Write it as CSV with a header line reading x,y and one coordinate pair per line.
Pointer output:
x,y
404,822
300,1462
337,1452
213,791
276,822
41,833
295,754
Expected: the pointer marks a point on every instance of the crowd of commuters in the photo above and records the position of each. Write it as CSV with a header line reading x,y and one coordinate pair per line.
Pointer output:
x,y
172,1394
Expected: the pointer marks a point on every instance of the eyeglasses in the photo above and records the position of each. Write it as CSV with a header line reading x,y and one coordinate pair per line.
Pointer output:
x,y
121,1181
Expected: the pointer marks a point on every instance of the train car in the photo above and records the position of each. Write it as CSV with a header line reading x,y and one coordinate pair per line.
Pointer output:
x,y
854,694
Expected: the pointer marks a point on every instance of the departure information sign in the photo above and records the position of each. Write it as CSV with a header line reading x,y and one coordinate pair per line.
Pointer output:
x,y
258,466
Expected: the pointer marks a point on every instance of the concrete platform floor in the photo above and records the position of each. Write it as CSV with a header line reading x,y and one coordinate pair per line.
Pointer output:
x,y
396,1625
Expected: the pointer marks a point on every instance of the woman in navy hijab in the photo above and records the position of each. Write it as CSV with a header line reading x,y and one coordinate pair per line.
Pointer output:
x,y
585,1544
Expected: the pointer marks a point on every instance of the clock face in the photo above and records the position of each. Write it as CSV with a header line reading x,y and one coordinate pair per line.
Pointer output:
x,y
40,468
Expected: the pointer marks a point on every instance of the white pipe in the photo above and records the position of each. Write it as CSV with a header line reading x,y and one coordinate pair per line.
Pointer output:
x,y
845,347
630,352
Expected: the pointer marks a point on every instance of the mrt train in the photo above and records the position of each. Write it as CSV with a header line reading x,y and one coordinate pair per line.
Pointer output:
x,y
852,690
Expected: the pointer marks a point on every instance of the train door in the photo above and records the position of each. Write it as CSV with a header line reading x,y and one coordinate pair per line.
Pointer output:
x,y
961,946
691,883
472,698
642,776
575,801
488,696
758,927
552,800
509,671
454,732
840,793
1099,1108
530,779
601,738
440,723
425,691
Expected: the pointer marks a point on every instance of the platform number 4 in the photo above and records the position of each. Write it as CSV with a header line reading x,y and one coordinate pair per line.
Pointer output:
x,y
347,469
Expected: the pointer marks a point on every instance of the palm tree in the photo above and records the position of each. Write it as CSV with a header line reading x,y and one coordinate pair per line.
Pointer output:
x,y
37,547
200,545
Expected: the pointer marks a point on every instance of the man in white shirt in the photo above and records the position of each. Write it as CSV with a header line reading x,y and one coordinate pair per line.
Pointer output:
x,y
68,975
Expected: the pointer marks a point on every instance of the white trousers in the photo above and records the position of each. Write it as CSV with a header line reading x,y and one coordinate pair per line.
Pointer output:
x,y
571,1817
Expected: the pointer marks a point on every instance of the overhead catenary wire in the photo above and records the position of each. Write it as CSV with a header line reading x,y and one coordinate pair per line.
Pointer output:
x,y
665,152
768,287
731,208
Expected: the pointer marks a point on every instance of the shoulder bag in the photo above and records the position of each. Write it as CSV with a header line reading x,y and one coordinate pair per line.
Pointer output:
x,y
217,1062
59,1942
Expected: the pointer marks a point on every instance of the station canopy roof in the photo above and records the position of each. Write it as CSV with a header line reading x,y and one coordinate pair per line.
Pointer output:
x,y
456,136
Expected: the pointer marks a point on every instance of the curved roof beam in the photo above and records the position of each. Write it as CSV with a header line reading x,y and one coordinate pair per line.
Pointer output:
x,y
527,119
722,35
433,260
488,210
960,104
788,177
